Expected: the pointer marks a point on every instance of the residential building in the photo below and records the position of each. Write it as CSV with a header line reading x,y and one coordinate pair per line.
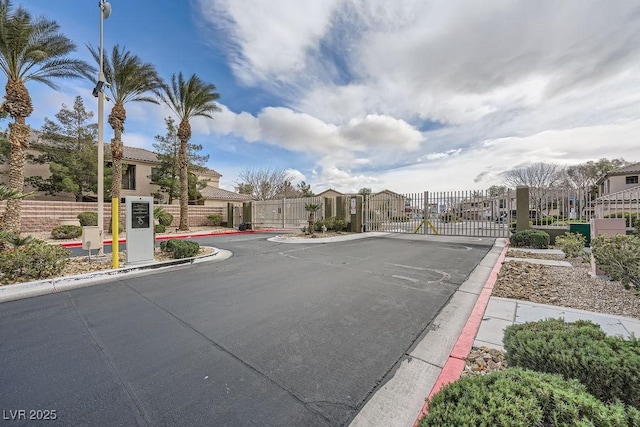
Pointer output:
x,y
620,179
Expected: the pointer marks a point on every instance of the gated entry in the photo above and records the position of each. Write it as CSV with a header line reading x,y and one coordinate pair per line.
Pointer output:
x,y
455,213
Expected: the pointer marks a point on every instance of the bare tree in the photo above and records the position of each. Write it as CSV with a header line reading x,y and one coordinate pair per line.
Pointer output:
x,y
539,177
265,183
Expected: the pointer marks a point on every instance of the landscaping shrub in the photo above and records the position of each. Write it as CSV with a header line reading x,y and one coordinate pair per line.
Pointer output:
x,y
572,244
88,219
332,223
518,397
9,239
33,262
180,248
66,232
619,257
547,220
159,228
449,217
609,367
215,219
110,226
531,238
164,218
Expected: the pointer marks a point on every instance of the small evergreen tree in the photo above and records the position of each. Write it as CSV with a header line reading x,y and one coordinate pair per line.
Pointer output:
x,y
167,174
68,146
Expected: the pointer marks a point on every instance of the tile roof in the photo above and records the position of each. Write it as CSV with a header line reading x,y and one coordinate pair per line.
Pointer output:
x,y
634,168
212,193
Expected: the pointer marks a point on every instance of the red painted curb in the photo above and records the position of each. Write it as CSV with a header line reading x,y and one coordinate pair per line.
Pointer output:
x,y
181,236
455,363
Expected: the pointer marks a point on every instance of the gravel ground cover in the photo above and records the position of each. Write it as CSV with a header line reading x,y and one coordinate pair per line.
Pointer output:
x,y
571,287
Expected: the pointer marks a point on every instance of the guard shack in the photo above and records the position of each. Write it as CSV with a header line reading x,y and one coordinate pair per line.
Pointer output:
x,y
139,228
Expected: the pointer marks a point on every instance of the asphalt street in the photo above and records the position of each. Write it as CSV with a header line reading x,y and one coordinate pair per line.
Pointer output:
x,y
278,334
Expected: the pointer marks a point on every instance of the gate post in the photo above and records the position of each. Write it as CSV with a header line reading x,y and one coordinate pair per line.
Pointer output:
x,y
522,207
328,207
247,211
230,215
355,212
284,219
425,212
340,208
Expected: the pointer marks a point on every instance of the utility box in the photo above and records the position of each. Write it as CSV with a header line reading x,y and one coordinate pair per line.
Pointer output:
x,y
583,229
91,238
139,228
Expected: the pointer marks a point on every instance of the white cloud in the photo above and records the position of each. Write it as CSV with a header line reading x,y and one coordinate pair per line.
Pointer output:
x,y
503,83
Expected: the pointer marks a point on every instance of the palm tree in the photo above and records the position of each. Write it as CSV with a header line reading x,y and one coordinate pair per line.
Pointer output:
x,y
188,99
31,49
129,80
312,208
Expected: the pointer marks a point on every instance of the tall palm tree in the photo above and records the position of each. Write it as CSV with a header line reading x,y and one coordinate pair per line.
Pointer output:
x,y
188,99
130,80
31,49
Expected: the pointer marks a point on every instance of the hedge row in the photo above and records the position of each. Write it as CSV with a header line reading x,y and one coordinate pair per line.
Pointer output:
x,y
561,374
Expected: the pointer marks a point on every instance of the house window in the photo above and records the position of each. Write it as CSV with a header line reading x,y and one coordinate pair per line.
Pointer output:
x,y
632,179
502,204
129,178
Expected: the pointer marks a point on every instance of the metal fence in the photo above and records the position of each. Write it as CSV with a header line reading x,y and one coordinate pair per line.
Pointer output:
x,y
459,213
285,213
622,204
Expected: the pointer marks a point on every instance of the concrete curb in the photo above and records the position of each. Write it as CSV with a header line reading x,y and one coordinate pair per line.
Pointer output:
x,y
184,236
454,365
62,284
280,239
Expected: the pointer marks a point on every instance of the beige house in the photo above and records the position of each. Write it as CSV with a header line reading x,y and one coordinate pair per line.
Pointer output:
x,y
136,179
619,180
331,193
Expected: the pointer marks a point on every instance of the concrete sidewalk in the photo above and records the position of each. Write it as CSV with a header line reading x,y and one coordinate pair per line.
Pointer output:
x,y
503,312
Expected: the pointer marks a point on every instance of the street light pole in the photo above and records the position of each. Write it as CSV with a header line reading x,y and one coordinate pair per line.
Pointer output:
x,y
105,11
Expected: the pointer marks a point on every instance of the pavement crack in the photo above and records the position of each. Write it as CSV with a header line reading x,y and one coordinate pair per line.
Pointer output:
x,y
132,395
234,356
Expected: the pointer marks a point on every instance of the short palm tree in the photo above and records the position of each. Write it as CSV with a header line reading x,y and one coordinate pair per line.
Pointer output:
x,y
130,80
31,49
311,208
188,99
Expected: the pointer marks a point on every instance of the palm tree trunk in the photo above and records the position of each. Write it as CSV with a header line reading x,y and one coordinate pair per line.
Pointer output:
x,y
19,141
184,186
116,158
184,133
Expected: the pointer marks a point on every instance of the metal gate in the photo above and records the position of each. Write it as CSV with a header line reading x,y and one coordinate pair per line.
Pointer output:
x,y
453,213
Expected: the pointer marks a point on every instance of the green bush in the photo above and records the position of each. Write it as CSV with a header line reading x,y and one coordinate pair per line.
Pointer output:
x,y
110,226
547,220
609,367
88,219
531,238
572,244
637,229
332,223
32,262
215,219
619,257
518,397
159,228
66,232
9,239
180,248
449,217
164,218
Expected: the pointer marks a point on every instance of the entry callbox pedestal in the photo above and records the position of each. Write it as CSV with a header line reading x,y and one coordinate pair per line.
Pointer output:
x,y
139,220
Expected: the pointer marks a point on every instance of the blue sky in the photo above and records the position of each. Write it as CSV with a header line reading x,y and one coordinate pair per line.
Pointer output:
x,y
409,95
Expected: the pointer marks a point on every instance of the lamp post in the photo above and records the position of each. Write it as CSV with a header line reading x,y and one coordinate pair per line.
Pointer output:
x,y
105,11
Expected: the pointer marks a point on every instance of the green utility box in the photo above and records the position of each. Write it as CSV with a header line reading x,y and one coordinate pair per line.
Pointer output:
x,y
581,228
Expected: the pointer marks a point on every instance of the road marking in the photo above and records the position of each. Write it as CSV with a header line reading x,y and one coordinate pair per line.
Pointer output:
x,y
408,266
411,279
